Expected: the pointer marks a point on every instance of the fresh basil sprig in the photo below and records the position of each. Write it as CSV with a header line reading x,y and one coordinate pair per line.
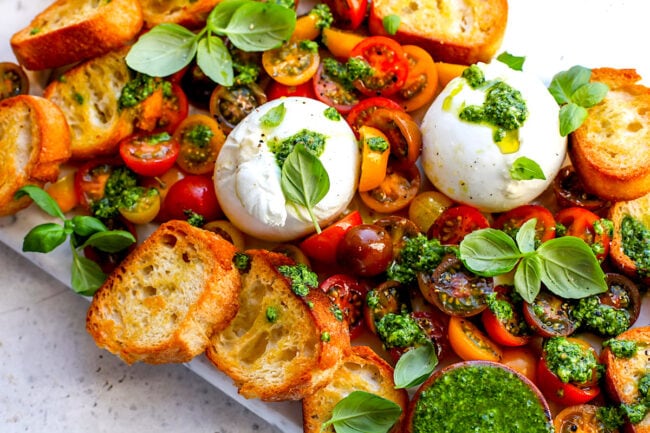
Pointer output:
x,y
304,180
364,412
566,265
83,231
415,366
574,93
249,25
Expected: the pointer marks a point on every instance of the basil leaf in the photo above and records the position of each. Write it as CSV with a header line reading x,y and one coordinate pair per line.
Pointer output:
x,y
274,116
527,278
489,252
526,236
110,241
415,366
589,94
565,83
42,200
571,117
524,168
391,23
257,26
165,49
44,238
514,62
222,13
570,268
84,225
215,61
87,276
363,412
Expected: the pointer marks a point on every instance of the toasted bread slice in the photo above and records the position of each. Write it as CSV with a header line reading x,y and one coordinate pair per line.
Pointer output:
x,y
286,357
623,374
453,31
190,14
72,30
362,370
89,96
34,141
638,209
611,150
167,297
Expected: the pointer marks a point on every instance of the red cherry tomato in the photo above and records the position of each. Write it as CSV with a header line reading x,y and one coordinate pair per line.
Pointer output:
x,y
149,154
349,294
584,224
566,394
348,14
363,111
389,65
507,331
174,110
511,220
90,180
322,246
277,90
192,193
454,223
333,93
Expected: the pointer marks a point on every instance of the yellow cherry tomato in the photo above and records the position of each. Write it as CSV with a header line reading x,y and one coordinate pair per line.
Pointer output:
x,y
63,192
144,209
470,343
228,231
291,64
521,359
375,150
340,42
448,71
306,28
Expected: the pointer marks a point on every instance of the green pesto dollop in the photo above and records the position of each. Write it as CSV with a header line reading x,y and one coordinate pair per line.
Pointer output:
x,y
137,90
399,330
570,361
271,314
418,254
242,261
199,135
621,348
479,398
636,244
302,278
377,144
346,73
314,143
120,187
605,320
332,113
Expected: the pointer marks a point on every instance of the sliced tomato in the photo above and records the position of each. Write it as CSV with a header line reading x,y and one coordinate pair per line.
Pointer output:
x,y
163,182
622,293
422,81
349,294
388,62
511,220
426,207
332,92
174,109
228,231
400,230
90,180
340,42
200,138
363,111
13,80
566,394
470,343
586,225
144,209
229,105
455,222
277,90
507,329
402,131
322,246
191,194
581,418
375,151
396,190
388,297
149,154
549,315
291,64
348,14
569,191
63,192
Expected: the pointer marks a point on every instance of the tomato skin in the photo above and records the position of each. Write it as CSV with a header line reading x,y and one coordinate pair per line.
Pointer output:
x,y
291,64
470,343
579,222
566,394
145,209
511,220
396,191
455,222
277,90
556,320
13,80
421,82
90,180
63,192
149,155
426,207
569,191
322,246
195,156
349,294
362,112
521,359
366,250
332,93
402,131
229,105
498,331
582,418
388,62
373,162
192,193
348,14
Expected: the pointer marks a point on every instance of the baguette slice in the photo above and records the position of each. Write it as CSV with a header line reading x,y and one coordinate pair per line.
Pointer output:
x,y
611,150
168,296
622,374
88,94
190,14
72,30
452,31
286,358
34,141
362,370
639,209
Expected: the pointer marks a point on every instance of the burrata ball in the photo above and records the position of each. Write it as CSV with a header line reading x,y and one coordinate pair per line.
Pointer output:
x,y
247,174
463,160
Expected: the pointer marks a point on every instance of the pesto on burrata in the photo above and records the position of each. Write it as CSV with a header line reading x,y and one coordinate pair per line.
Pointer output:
x,y
247,174
491,138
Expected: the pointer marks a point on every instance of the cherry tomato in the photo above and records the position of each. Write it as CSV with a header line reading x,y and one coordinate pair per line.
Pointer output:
x,y
549,315
521,359
192,193
388,62
291,64
174,109
200,138
349,294
455,290
400,230
307,27
348,14
293,252
197,86
422,81
436,326
90,180
13,80
229,105
228,231
144,209
322,246
149,154
569,191
426,207
586,225
277,90
388,297
509,330
470,343
366,250
375,151
402,131
363,111
163,182
581,418
333,93
455,222
340,42
396,190
622,293
63,192
511,220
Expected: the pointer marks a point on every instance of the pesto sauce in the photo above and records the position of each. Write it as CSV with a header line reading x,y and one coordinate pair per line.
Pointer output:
x,y
569,361
636,244
314,143
479,398
399,330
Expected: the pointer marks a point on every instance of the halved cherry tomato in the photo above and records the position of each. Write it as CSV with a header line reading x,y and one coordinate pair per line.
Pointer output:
x,y
434,324
581,418
402,131
322,246
349,294
200,138
174,109
448,71
455,222
333,93
470,343
144,209
622,293
348,14
400,230
549,315
455,290
388,297
229,105
197,86
63,192
569,191
13,80
396,190
292,63
293,252
375,151
163,182
192,193
506,328
228,231
150,110
422,81
363,111
149,154
388,62
307,27
340,42
90,180
426,207
277,90
521,359
586,225
511,220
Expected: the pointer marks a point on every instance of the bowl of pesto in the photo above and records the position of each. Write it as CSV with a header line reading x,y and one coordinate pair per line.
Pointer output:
x,y
478,396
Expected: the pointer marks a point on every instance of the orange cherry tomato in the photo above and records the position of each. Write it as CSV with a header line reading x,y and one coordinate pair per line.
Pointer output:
x,y
200,138
396,191
470,343
448,71
306,28
421,82
521,359
581,418
340,42
402,131
90,180
174,109
292,63
322,246
388,62
163,182
63,192
374,157
145,209
584,224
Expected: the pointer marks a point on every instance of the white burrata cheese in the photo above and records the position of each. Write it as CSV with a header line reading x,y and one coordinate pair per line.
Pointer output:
x,y
463,161
247,176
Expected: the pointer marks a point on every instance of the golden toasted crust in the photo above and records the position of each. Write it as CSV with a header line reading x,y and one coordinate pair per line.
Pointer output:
x,y
361,370
167,297
72,30
623,374
88,94
286,358
452,31
611,150
34,141
638,209
188,14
